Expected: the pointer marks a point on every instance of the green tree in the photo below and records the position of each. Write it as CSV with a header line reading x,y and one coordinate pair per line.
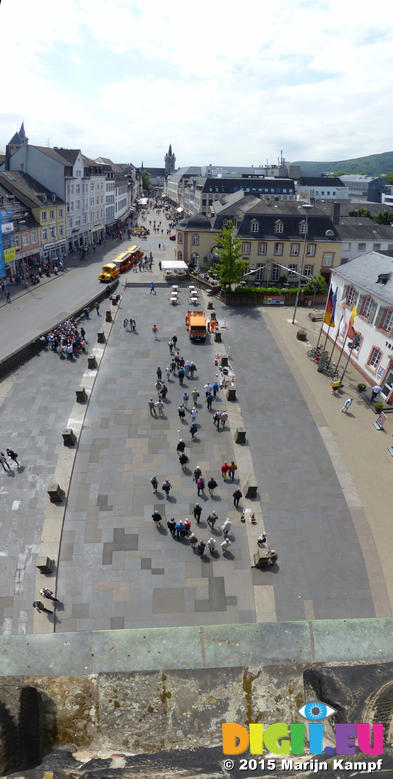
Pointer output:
x,y
384,218
389,178
230,267
361,212
145,181
337,175
315,284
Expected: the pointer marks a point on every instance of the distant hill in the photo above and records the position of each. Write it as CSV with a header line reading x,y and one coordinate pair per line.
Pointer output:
x,y
373,165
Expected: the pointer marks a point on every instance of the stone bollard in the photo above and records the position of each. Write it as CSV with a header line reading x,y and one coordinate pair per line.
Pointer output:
x,y
69,437
108,316
91,362
45,564
240,435
101,337
81,396
114,301
217,337
224,361
301,335
213,316
250,489
56,494
231,393
210,305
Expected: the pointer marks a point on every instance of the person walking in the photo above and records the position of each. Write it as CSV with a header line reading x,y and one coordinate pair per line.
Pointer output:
x,y
159,373
154,483
261,540
225,544
195,395
207,389
236,498
181,411
125,324
152,407
180,446
212,519
347,405
212,484
180,374
186,398
226,527
194,414
14,457
168,372
153,288
197,511
193,430
170,344
200,485
201,548
197,473
224,417
156,517
46,593
4,463
193,540
216,419
164,391
39,606
192,371
97,307
155,331
232,468
171,525
174,339
215,389
166,487
224,470
133,325
160,407
375,392
209,400
183,460
8,297
211,544
83,334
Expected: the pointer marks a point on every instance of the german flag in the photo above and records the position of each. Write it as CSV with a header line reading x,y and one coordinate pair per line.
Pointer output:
x,y
330,308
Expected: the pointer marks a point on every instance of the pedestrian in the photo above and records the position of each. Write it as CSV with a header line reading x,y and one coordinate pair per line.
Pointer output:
x,y
8,297
375,392
183,460
215,389
194,414
197,511
226,527
212,519
159,264
168,372
160,407
200,485
174,339
216,419
133,325
236,498
193,430
346,405
39,606
187,525
166,487
192,371
209,400
156,517
224,418
212,484
262,538
197,473
171,525
152,407
186,398
46,593
154,483
4,462
181,411
232,469
193,540
224,470
83,334
98,308
180,530
180,374
153,288
164,391
225,544
207,388
170,344
201,547
14,457
125,324
180,446
159,373
195,395
211,544
336,385
155,331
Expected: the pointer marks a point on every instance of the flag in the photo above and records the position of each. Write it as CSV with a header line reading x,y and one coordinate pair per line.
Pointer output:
x,y
351,330
334,302
330,307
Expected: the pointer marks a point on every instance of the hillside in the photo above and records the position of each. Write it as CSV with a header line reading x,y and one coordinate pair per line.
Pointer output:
x,y
373,165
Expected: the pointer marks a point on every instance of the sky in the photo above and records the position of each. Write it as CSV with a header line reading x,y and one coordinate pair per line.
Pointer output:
x,y
226,83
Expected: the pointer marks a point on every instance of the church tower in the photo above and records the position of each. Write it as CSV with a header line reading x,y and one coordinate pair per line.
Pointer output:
x,y
170,161
17,141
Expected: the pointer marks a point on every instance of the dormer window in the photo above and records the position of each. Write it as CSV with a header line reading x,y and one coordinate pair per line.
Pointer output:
x,y
303,227
278,226
254,226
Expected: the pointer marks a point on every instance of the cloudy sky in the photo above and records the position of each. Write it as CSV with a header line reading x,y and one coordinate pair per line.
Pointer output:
x,y
225,82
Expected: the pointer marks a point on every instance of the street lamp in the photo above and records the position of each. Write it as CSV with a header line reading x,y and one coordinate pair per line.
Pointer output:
x,y
306,206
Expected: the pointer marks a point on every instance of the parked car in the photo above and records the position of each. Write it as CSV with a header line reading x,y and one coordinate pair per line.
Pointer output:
x,y
172,237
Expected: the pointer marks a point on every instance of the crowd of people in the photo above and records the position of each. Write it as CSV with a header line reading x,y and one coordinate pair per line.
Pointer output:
x,y
67,340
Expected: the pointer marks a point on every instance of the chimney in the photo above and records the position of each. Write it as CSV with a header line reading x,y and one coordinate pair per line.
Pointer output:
x,y
336,213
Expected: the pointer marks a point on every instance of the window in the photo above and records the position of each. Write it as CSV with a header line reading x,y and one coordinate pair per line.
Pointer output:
x,y
375,358
303,227
60,213
179,255
180,237
34,236
53,232
376,247
278,249
51,214
25,239
346,245
278,226
295,248
308,270
350,295
254,227
61,229
78,205
45,234
292,268
261,272
276,272
387,321
77,189
72,205
225,223
17,242
262,248
195,240
327,259
44,216
246,247
366,306
311,249
361,247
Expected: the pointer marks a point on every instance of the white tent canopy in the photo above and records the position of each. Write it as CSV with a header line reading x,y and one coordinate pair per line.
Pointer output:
x,y
173,265
179,209
142,201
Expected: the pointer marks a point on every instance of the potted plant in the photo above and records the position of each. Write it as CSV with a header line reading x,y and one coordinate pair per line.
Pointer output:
x,y
378,405
361,387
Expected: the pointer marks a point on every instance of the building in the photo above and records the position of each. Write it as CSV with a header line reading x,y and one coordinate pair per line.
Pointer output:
x,y
364,187
27,240
312,188
47,209
273,235
170,161
197,195
367,284
361,235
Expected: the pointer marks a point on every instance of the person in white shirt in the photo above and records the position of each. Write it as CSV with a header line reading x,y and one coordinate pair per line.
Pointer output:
x,y
347,405
226,526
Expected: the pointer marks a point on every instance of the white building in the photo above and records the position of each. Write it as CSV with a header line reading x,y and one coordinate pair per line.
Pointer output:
x,y
367,283
321,188
361,235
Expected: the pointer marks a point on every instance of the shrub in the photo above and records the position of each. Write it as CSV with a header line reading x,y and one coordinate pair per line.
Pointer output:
x,y
264,291
378,405
361,387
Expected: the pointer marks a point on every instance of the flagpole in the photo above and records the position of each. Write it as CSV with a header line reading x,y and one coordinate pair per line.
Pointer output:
x,y
324,314
342,349
334,345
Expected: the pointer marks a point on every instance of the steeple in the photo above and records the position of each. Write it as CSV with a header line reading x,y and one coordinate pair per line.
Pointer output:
x,y
170,161
22,133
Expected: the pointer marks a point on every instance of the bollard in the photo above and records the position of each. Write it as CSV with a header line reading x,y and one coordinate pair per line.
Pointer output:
x,y
69,437
114,301
231,393
240,435
213,316
81,396
210,305
45,564
108,316
224,361
217,337
56,494
301,335
91,362
250,489
101,337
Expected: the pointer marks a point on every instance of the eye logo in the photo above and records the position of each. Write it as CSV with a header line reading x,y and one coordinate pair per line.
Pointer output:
x,y
316,711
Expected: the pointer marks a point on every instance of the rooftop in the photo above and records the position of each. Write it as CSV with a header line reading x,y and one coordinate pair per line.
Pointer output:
x,y
27,189
362,227
320,181
364,272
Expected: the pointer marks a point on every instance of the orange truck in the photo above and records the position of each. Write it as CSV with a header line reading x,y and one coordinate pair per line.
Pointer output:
x,y
196,325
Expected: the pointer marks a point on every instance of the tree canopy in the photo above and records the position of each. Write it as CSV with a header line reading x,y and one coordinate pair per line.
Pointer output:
x,y
230,267
145,181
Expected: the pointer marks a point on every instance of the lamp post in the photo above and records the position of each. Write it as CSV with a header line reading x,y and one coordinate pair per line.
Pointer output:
x,y
306,206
